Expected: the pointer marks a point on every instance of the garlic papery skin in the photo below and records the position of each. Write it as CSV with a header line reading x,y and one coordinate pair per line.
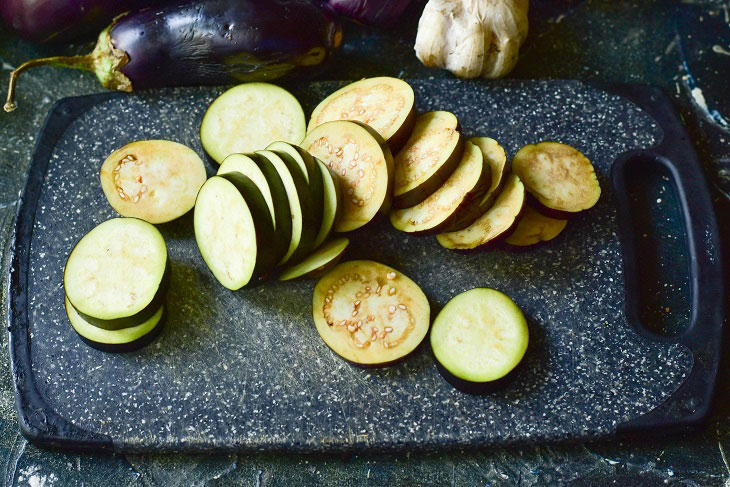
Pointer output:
x,y
472,38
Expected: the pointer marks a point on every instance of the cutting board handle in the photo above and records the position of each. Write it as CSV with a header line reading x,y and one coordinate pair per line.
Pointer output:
x,y
690,405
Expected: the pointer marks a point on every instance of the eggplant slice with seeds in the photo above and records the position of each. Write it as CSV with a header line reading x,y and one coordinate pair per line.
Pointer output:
x,y
318,262
369,313
558,176
363,165
495,156
534,227
153,180
461,192
495,223
389,163
429,157
230,125
385,104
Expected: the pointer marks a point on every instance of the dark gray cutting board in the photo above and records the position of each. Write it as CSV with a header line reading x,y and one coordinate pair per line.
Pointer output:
x,y
246,370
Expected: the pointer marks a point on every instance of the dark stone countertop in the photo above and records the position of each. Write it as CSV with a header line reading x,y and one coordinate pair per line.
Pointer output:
x,y
593,39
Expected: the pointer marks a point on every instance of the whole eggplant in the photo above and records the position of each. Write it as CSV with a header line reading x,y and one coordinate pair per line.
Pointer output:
x,y
206,42
62,20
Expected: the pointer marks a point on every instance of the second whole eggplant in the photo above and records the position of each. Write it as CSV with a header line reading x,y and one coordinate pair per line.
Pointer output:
x,y
205,42
378,13
62,20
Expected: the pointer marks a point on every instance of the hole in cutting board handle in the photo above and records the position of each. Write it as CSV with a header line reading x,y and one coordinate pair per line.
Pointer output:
x,y
655,246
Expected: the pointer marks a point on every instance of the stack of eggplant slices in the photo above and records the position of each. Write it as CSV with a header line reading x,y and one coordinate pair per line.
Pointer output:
x,y
286,191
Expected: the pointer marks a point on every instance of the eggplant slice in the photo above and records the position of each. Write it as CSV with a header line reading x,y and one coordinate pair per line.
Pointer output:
x,y
266,178
153,180
116,270
331,205
234,230
534,227
429,157
479,336
558,176
496,157
137,318
123,340
231,125
385,104
495,223
369,313
318,262
461,192
295,155
305,222
302,158
244,164
362,165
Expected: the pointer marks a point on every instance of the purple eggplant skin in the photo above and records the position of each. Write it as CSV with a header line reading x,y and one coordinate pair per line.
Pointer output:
x,y
212,42
376,13
44,21
205,42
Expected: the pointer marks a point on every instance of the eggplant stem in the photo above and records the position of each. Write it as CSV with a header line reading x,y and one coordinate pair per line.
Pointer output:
x,y
76,62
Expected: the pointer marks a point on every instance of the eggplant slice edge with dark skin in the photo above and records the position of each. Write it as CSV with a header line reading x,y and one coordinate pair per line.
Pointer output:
x,y
205,42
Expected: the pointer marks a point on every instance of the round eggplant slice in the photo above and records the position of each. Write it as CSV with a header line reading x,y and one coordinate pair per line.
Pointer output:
x,y
429,157
282,211
116,270
534,227
461,192
123,340
296,156
495,156
153,180
369,313
234,230
265,176
318,263
385,104
304,221
496,159
390,164
558,176
479,336
331,205
137,318
242,163
249,117
495,223
303,159
362,165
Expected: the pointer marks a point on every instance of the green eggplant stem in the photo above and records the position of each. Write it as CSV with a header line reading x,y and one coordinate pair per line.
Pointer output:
x,y
105,61
76,62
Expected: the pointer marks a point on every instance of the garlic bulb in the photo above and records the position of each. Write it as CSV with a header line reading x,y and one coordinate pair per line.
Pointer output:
x,y
472,38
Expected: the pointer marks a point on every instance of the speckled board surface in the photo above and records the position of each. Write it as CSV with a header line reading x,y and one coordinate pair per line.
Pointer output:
x,y
247,370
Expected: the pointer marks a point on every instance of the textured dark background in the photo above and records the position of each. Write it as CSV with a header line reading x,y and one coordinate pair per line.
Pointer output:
x,y
593,39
